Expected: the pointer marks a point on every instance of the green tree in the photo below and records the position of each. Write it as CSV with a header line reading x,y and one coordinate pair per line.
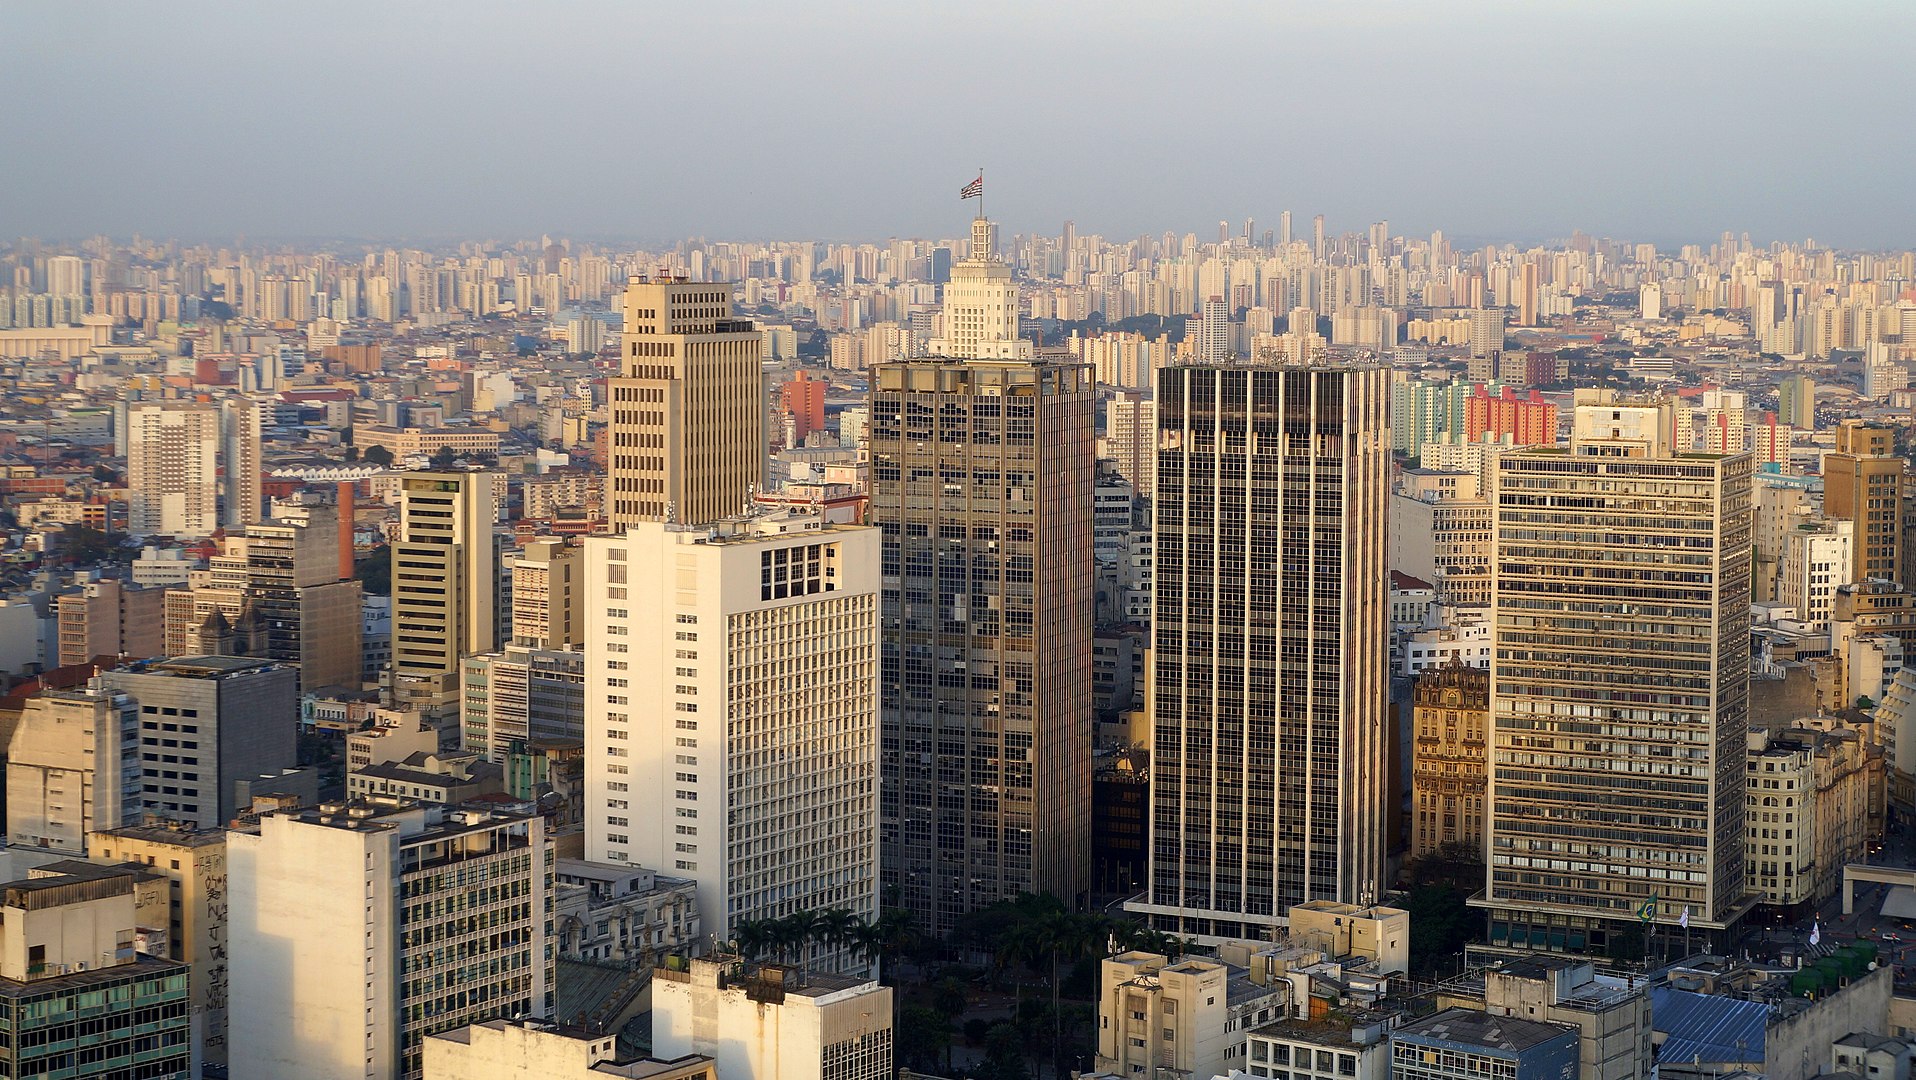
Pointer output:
x,y
375,572
444,458
1004,1055
83,545
378,455
924,1039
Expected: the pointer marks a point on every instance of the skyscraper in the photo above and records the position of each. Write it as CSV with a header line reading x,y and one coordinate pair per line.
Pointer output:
x,y
1619,684
172,468
445,586
982,474
1270,675
731,714
688,410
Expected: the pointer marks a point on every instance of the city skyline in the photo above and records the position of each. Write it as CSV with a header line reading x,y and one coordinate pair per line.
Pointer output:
x,y
1493,123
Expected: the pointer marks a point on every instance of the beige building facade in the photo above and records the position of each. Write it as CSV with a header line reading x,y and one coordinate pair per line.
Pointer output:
x,y
687,431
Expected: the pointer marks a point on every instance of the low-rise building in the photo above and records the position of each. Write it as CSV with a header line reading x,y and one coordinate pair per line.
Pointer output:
x,y
1611,1015
193,862
1461,1044
539,1050
77,998
1189,1016
1327,1048
616,913
432,777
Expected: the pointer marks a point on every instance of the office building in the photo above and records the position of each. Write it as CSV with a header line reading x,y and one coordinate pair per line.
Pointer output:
x,y
1808,810
546,596
1440,532
73,767
359,929
445,587
1619,684
205,722
1270,665
1450,715
172,468
1817,559
193,862
109,618
77,998
520,694
980,316
772,1023
240,436
731,697
275,591
982,479
1462,1044
687,430
1863,483
524,1049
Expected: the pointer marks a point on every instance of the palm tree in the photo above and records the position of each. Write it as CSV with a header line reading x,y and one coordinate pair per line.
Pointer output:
x,y
835,927
796,931
751,937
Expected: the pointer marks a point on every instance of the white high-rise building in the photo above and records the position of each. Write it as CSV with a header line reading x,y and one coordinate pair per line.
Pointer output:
x,y
732,713
358,929
172,468
1131,437
240,447
1213,331
981,305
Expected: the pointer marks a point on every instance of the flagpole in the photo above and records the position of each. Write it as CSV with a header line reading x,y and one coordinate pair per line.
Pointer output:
x,y
981,201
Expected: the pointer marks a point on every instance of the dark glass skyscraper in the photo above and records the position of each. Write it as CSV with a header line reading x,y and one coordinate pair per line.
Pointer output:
x,y
1270,623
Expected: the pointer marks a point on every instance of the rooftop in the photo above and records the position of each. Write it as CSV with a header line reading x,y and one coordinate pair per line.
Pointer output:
x,y
1508,1034
175,833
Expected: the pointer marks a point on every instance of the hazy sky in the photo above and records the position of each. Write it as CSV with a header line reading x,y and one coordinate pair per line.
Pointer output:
x,y
1667,120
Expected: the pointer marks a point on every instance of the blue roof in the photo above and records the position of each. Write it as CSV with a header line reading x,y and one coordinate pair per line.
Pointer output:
x,y
1707,1027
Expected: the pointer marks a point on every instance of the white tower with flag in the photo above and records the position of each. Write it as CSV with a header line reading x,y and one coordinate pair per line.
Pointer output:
x,y
980,317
